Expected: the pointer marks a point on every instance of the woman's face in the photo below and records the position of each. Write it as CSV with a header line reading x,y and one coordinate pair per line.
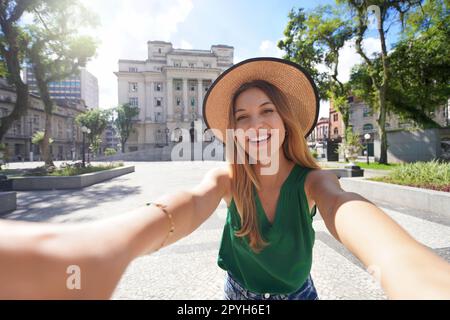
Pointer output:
x,y
263,128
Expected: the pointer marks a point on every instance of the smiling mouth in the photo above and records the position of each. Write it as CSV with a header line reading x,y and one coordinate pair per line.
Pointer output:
x,y
259,140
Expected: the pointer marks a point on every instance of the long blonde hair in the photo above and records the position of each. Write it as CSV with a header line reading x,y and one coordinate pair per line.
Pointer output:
x,y
243,176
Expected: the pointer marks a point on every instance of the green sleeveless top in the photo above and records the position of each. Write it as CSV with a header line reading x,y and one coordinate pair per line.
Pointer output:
x,y
283,266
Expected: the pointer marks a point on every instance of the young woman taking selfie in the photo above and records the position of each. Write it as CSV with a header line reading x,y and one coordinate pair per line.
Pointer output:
x,y
262,109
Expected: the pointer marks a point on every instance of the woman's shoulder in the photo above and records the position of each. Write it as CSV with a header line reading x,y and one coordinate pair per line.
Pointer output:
x,y
224,175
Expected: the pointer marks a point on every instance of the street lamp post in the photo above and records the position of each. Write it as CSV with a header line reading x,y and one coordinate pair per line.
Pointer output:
x,y
367,137
31,139
167,136
84,130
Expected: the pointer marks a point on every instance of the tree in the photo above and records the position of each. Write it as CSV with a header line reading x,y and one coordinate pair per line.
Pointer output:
x,y
96,120
421,64
387,12
57,50
38,139
123,122
315,38
419,68
13,42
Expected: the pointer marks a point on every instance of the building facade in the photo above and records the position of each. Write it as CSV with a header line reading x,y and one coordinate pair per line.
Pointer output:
x,y
83,86
363,120
169,88
66,134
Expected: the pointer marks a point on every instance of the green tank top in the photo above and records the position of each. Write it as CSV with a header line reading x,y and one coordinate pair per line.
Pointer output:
x,y
283,266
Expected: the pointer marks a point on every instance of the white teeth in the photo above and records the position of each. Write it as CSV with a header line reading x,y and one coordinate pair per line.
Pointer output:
x,y
261,138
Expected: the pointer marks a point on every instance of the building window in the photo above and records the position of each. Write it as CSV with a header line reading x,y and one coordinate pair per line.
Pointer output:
x,y
192,87
206,89
158,117
37,121
178,101
178,86
177,63
158,102
158,86
159,50
191,65
133,101
368,127
366,112
336,131
207,65
193,102
132,69
133,86
335,117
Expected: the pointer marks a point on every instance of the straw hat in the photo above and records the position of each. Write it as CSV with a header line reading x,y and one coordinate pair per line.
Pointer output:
x,y
296,84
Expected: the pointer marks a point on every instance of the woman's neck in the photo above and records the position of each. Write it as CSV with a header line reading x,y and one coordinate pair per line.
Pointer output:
x,y
272,175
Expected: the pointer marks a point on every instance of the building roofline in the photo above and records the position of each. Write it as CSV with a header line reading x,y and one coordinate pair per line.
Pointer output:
x,y
132,61
158,41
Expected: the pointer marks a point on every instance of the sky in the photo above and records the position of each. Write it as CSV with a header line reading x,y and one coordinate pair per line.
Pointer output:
x,y
252,27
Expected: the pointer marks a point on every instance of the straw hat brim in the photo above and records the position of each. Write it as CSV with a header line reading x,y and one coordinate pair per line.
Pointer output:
x,y
296,84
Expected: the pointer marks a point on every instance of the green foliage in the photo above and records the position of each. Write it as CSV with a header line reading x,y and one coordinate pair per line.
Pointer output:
x,y
110,151
314,153
419,68
376,165
124,121
431,175
38,138
96,120
70,169
314,38
351,146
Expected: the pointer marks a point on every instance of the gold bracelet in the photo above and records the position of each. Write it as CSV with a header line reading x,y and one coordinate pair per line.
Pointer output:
x,y
169,215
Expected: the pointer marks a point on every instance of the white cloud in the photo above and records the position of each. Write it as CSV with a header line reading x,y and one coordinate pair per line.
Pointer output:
x,y
348,57
268,48
324,110
186,45
126,28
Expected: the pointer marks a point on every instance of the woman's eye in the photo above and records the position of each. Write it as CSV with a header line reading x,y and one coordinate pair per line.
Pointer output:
x,y
240,118
268,110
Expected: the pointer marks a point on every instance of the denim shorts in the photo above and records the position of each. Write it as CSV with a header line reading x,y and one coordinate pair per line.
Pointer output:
x,y
234,291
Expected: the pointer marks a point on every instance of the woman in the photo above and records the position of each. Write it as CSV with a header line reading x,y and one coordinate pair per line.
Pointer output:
x,y
272,187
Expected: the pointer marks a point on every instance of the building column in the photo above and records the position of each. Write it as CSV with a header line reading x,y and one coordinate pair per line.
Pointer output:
x,y
200,97
185,98
169,94
149,105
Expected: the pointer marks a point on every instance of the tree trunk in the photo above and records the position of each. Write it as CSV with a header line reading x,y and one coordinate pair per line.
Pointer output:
x,y
382,94
382,129
46,154
10,51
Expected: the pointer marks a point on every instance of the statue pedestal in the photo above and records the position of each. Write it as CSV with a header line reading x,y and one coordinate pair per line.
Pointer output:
x,y
354,171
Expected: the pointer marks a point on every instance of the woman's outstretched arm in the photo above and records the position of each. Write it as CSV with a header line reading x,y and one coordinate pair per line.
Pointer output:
x,y
41,260
407,269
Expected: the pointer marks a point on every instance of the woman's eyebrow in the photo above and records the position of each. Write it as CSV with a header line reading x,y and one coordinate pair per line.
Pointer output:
x,y
263,104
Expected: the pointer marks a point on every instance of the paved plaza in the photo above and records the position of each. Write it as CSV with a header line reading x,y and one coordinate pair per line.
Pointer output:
x,y
188,269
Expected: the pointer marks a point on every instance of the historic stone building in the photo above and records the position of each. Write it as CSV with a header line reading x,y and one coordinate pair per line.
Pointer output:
x,y
169,87
66,134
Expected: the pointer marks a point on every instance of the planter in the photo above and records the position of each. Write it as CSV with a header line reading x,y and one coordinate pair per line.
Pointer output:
x,y
436,202
72,182
8,202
